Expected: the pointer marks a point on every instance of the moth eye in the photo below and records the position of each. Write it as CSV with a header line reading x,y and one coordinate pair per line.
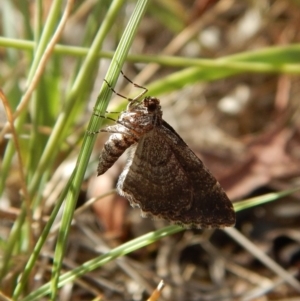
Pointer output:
x,y
151,107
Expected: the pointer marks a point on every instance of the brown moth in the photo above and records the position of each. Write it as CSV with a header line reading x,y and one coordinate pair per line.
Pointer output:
x,y
163,177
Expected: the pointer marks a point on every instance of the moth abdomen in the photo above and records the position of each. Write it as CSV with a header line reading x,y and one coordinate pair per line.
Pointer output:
x,y
112,150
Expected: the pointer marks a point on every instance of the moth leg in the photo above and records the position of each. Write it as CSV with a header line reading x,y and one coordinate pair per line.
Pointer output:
x,y
116,129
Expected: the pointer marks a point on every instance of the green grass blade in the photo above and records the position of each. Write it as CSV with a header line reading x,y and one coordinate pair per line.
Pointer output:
x,y
97,262
35,254
102,102
262,199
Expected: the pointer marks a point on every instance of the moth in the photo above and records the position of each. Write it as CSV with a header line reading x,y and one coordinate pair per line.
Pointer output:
x,y
163,176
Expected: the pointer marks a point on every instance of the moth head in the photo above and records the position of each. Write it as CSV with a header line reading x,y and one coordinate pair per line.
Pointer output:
x,y
152,104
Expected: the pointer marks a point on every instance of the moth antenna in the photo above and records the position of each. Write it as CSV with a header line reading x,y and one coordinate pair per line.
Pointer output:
x,y
131,100
114,91
145,90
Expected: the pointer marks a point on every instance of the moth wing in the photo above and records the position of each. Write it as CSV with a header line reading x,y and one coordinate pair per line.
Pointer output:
x,y
211,208
150,178
167,180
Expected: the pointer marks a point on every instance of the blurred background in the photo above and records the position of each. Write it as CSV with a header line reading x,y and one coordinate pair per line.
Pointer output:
x,y
237,107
